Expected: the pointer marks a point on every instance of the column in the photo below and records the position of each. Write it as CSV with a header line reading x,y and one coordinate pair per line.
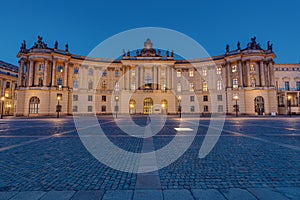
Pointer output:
x,y
271,72
167,81
123,77
240,71
172,76
30,81
138,72
262,73
248,73
228,75
66,75
257,76
267,74
157,77
45,73
20,73
154,77
53,82
27,73
3,87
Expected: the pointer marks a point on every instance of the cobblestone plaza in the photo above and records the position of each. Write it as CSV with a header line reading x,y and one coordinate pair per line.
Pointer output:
x,y
254,158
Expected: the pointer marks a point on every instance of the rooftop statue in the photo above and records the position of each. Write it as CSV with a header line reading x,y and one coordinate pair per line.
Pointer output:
x,y
56,45
39,44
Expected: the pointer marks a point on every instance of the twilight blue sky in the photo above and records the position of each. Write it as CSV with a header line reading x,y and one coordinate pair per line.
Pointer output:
x,y
84,24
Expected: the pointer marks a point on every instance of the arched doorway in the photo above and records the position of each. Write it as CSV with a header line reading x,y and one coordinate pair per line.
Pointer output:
x,y
34,105
259,105
132,108
148,105
164,106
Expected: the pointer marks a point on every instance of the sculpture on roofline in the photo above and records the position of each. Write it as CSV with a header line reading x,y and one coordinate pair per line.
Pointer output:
x,y
56,45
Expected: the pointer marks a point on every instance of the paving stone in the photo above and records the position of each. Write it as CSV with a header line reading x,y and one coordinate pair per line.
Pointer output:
x,y
266,194
147,194
207,194
177,195
7,195
237,194
58,195
90,195
29,195
118,195
290,192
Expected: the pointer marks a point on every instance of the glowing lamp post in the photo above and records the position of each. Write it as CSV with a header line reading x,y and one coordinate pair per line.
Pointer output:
x,y
179,106
236,98
289,106
58,107
2,106
117,106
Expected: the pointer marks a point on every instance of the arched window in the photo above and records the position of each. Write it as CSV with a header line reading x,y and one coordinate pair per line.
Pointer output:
x,y
103,86
40,82
34,105
59,82
90,86
91,72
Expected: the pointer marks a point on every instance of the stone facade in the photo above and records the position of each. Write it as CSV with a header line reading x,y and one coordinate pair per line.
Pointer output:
x,y
146,81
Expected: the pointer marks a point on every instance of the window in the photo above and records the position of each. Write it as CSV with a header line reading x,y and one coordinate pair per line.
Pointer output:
x,y
178,74
75,84
235,83
104,73
204,72
220,108
205,98
298,85
178,87
192,98
90,98
103,86
103,98
103,108
60,69
41,68
59,82
253,82
220,97
90,108
287,85
204,86
117,73
34,105
90,86
191,73
205,108
133,85
133,72
163,72
40,82
117,87
191,87
219,70
192,108
75,108
233,68
7,85
163,86
75,97
219,85
252,68
91,72
76,70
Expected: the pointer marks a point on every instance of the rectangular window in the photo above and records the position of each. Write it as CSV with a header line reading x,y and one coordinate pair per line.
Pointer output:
x,y
76,70
133,72
287,85
235,83
204,72
90,86
205,98
204,86
298,85
91,72
178,87
219,70
133,85
75,97
233,68
220,108
103,108
205,108
60,69
192,108
191,87
117,87
75,108
75,84
163,72
104,73
219,85
117,73
178,74
90,108
191,73
192,98
252,68
103,98
7,85
220,97
90,97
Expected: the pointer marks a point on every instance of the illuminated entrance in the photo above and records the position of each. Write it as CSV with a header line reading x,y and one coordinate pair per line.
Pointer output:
x,y
148,105
132,106
259,105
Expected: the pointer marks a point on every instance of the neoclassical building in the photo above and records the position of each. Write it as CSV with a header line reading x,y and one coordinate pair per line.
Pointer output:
x,y
148,80
8,84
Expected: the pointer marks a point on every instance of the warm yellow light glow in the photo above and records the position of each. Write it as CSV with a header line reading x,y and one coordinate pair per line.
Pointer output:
x,y
2,98
117,98
179,98
9,105
289,97
163,105
236,97
131,105
58,98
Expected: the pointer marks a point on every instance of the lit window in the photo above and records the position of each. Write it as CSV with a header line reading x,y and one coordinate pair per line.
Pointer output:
x,y
133,85
91,72
90,98
191,87
164,86
117,87
133,72
252,68
163,72
253,82
178,87
103,86
90,108
178,74
234,68
60,69
59,82
219,85
204,86
41,68
191,73
204,72
219,70
235,83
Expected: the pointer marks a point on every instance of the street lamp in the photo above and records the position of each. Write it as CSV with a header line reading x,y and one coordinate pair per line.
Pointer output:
x,y
58,107
179,106
289,105
116,107
2,106
236,98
